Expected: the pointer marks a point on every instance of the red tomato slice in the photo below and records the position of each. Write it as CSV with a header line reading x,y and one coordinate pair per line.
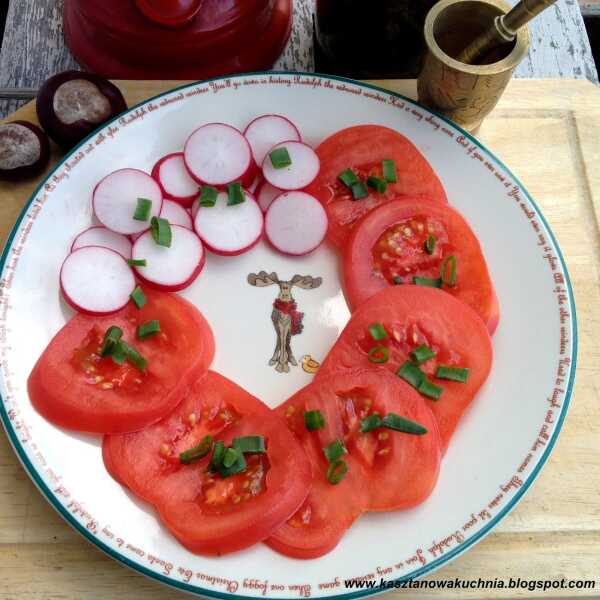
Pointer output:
x,y
389,245
363,148
209,514
386,469
73,387
411,316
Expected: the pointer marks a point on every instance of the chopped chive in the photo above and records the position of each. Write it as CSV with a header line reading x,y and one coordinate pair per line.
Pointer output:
x,y
337,471
133,356
450,279
237,467
379,354
280,158
111,339
360,191
161,231
217,456
197,452
235,194
369,423
143,209
313,420
334,451
348,177
459,374
430,244
208,196
429,389
378,332
379,185
148,329
230,457
411,374
422,354
250,444
424,281
119,354
137,262
389,171
138,297
398,423
397,280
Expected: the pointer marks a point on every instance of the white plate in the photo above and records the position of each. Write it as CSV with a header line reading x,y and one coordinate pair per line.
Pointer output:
x,y
501,443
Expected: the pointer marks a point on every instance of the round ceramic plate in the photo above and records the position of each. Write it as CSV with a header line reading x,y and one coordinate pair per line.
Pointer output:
x,y
501,442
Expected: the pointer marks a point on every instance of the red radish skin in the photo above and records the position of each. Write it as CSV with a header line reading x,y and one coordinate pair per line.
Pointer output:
x,y
174,179
101,236
170,269
265,194
267,131
296,224
24,150
96,281
176,214
301,173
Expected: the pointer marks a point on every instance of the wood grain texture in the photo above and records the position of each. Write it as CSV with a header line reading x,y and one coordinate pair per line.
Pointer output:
x,y
555,530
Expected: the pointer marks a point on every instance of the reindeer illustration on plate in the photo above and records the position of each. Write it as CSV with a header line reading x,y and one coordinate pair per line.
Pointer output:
x,y
286,318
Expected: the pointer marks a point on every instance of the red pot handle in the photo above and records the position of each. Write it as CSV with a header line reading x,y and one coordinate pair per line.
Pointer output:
x,y
170,13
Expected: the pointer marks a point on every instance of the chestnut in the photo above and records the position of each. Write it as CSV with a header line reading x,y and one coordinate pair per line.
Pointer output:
x,y
72,104
24,150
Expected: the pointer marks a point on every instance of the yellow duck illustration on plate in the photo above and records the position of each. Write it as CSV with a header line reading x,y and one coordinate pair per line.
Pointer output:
x,y
309,364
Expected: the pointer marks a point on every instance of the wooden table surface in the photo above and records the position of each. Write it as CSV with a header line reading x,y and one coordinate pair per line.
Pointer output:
x,y
547,132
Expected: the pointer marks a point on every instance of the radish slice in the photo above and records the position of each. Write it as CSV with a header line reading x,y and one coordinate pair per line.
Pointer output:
x,y
296,223
100,236
267,131
218,154
302,172
176,214
176,183
195,208
96,281
265,194
230,230
170,269
116,197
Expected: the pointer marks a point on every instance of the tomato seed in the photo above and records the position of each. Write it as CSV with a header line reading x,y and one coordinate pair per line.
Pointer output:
x,y
384,435
384,451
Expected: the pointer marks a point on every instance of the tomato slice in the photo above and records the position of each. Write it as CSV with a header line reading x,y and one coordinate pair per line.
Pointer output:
x,y
411,238
412,316
386,469
72,386
362,149
207,513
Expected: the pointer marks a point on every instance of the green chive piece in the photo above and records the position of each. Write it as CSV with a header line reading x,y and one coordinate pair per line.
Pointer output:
x,y
111,338
378,332
208,196
397,280
161,231
430,244
313,420
217,456
360,191
334,451
235,194
280,158
424,281
411,374
143,209
138,297
119,353
237,467
379,354
448,279
459,374
197,452
337,471
137,262
148,329
133,356
389,171
429,389
371,422
422,354
348,178
379,185
402,424
250,444
231,456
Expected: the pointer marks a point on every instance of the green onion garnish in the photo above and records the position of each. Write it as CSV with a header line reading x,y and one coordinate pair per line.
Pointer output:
x,y
133,356
230,457
217,457
369,423
143,209
348,178
208,196
334,451
237,467
138,297
379,185
459,374
398,423
119,353
161,231
422,354
429,389
337,471
314,419
360,191
379,354
389,171
435,283
448,279
197,452
411,374
137,262
430,244
280,158
148,329
378,332
235,194
397,280
250,444
111,339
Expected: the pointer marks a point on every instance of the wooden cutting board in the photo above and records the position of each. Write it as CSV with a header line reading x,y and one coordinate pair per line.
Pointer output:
x,y
548,133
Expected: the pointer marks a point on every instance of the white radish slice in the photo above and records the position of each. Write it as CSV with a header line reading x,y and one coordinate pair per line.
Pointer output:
x,y
230,230
170,269
267,131
96,281
302,172
265,194
296,223
173,177
176,214
100,236
116,198
218,154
